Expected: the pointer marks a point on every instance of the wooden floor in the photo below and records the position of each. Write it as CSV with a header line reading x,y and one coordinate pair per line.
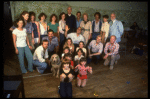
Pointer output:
x,y
128,79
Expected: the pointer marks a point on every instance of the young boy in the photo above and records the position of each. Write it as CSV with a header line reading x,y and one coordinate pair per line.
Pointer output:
x,y
105,29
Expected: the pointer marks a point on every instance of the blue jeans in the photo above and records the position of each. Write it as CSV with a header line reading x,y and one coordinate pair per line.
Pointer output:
x,y
25,51
96,58
40,66
65,89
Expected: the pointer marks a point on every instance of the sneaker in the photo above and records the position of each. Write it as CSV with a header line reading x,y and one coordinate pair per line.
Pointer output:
x,y
37,70
111,67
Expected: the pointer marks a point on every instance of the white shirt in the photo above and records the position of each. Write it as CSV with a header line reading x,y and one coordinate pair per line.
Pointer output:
x,y
77,57
96,29
20,37
75,39
62,25
114,20
39,54
105,28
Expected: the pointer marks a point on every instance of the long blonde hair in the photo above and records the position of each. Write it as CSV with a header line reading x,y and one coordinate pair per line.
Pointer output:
x,y
66,44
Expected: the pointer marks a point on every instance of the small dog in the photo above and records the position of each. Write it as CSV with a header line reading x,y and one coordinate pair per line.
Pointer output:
x,y
56,63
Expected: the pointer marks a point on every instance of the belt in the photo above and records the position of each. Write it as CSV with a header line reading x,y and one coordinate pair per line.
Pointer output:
x,y
97,32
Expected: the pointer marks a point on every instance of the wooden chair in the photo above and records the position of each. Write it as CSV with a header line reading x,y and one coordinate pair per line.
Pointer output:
x,y
13,85
123,45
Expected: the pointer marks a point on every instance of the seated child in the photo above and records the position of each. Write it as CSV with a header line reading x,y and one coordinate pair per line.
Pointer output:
x,y
68,57
66,76
65,51
79,56
82,76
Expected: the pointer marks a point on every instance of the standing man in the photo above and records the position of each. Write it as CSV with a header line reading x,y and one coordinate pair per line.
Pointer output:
x,y
116,27
70,21
40,57
111,52
95,49
78,20
53,45
96,25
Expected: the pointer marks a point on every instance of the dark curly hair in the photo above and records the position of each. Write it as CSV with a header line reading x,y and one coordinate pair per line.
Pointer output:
x,y
97,13
41,14
17,20
105,16
61,15
52,16
31,14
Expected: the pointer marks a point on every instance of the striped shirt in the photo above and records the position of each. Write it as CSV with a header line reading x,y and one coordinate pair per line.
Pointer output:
x,y
112,48
95,48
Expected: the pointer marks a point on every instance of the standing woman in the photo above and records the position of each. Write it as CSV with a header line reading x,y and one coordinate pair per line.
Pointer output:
x,y
19,39
54,25
86,26
62,24
28,26
36,30
43,25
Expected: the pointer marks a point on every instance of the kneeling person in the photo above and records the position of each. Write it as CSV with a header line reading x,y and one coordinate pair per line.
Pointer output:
x,y
112,56
40,57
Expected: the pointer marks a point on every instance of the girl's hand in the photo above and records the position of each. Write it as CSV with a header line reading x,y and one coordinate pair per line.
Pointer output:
x,y
16,51
30,47
33,41
39,41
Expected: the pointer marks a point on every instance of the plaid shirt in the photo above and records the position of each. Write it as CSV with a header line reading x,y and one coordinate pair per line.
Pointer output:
x,y
112,48
96,48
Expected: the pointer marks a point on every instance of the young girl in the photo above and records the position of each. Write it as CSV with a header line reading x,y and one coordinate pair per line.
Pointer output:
x,y
66,50
68,57
79,56
81,45
82,76
105,29
66,76
19,39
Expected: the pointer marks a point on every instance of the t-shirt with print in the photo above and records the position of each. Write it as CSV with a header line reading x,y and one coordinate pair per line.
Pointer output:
x,y
20,37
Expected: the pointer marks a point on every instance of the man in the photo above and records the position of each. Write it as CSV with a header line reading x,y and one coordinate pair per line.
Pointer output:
x,y
70,21
96,25
96,47
112,56
40,57
78,20
116,28
53,45
76,37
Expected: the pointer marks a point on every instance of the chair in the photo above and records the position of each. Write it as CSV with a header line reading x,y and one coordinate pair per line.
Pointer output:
x,y
123,45
13,85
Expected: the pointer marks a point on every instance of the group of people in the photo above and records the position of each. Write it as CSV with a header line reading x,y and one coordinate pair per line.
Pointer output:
x,y
77,41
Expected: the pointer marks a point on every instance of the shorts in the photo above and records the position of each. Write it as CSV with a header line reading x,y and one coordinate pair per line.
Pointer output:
x,y
82,76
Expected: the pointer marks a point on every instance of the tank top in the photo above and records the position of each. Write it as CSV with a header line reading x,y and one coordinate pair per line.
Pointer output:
x,y
42,29
35,30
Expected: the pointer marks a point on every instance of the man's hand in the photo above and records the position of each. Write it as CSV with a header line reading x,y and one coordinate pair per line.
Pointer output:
x,y
47,61
105,57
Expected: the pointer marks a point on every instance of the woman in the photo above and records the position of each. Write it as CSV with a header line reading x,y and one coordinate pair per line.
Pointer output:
x,y
54,25
62,24
28,25
69,44
86,26
81,45
36,30
19,39
43,25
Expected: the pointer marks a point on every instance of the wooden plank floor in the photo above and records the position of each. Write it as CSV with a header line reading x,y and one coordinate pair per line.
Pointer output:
x,y
129,79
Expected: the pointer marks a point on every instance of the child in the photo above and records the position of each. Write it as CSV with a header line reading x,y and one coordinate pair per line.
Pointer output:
x,y
82,76
66,50
79,56
66,76
68,57
105,29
